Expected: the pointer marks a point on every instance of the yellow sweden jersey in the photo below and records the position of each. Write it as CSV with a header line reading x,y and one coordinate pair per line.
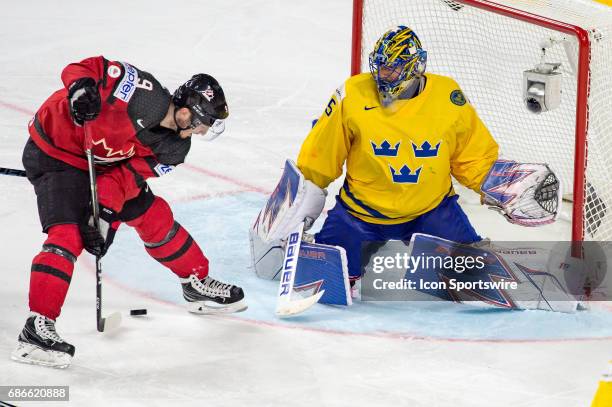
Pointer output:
x,y
399,159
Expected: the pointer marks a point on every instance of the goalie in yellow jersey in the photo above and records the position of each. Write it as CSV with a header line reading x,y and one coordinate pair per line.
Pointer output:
x,y
402,134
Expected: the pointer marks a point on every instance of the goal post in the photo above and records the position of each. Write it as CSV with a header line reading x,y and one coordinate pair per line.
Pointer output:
x,y
486,46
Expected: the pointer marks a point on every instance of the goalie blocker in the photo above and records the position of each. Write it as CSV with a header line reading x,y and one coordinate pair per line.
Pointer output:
x,y
308,272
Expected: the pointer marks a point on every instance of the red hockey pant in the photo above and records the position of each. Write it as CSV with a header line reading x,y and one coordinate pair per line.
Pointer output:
x,y
165,240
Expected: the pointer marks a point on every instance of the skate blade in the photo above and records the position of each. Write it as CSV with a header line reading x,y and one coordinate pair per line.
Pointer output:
x,y
212,308
33,355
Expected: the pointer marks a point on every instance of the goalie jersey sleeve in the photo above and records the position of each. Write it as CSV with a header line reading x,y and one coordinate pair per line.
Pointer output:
x,y
474,151
400,159
326,148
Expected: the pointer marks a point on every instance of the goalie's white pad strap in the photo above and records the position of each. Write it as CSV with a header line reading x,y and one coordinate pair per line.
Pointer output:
x,y
294,200
526,194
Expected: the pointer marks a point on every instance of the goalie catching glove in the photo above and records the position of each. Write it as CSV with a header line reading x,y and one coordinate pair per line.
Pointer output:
x,y
526,194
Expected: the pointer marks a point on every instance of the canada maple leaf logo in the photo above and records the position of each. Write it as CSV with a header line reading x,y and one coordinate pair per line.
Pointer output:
x,y
112,155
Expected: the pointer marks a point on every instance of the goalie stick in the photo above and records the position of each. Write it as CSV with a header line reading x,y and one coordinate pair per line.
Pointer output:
x,y
285,307
113,320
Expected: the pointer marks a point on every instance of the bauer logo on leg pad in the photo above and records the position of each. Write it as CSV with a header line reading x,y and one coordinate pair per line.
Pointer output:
x,y
290,263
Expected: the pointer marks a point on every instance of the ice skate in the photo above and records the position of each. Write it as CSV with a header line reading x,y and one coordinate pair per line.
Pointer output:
x,y
39,344
209,296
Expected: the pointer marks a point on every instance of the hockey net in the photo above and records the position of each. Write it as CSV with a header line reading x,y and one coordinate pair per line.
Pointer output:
x,y
485,46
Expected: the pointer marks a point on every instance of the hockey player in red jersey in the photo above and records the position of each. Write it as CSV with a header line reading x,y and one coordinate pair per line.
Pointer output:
x,y
138,130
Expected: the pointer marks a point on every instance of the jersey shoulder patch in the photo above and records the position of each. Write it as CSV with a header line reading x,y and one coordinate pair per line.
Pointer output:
x,y
457,97
126,87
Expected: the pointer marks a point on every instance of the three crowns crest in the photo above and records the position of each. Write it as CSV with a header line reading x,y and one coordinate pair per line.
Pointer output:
x,y
425,150
385,149
405,175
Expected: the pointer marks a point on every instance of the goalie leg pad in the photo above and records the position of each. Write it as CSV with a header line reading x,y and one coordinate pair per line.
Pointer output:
x,y
319,268
322,267
511,278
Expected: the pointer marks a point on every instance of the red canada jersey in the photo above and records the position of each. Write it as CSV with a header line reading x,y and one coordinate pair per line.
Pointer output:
x,y
127,128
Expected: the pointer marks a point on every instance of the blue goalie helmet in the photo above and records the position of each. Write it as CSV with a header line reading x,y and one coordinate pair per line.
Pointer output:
x,y
397,58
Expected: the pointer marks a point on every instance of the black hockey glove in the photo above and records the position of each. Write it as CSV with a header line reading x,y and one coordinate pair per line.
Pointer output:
x,y
84,100
97,241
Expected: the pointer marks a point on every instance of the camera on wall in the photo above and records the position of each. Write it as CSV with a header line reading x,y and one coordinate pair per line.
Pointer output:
x,y
542,87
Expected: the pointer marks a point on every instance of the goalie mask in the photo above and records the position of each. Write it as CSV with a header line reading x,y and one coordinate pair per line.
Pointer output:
x,y
204,98
396,60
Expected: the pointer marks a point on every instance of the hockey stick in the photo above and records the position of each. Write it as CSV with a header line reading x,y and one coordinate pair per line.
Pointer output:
x,y
12,171
114,319
284,306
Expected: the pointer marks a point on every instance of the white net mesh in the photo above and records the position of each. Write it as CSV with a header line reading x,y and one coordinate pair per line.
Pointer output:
x,y
486,53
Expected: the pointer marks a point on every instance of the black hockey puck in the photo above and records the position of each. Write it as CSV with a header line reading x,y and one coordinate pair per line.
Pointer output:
x,y
138,312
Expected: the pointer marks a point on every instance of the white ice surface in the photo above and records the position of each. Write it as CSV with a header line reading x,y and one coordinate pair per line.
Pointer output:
x,y
278,61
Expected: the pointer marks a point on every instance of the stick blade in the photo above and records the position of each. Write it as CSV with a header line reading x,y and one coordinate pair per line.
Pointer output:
x,y
291,308
110,323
